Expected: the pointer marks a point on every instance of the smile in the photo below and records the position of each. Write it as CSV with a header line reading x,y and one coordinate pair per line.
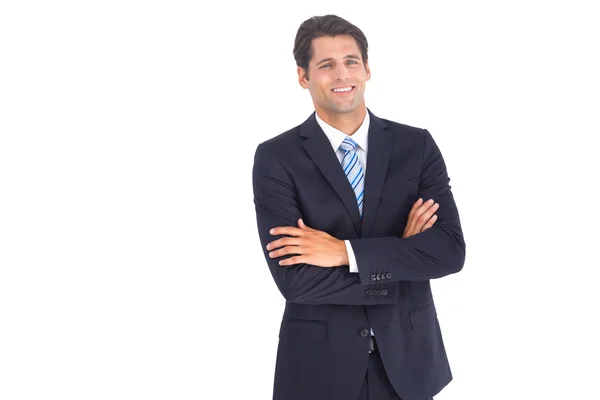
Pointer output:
x,y
343,90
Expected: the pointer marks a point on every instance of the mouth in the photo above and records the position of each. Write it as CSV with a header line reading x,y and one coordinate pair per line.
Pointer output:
x,y
341,91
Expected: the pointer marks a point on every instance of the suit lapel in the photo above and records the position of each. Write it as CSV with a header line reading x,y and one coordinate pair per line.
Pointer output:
x,y
378,158
319,149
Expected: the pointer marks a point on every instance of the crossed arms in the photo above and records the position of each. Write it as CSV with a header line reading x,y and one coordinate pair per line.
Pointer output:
x,y
310,266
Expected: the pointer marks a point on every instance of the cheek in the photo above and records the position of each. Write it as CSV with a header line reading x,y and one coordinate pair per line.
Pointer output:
x,y
323,90
323,85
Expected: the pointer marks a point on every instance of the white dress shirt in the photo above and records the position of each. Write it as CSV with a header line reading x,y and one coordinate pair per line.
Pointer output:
x,y
336,137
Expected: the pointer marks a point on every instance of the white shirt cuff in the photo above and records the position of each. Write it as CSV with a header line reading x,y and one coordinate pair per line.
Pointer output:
x,y
351,259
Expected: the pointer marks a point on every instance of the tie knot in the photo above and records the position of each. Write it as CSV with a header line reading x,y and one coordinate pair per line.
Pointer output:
x,y
348,144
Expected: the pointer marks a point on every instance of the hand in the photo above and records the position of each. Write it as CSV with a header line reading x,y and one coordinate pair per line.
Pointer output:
x,y
420,217
311,246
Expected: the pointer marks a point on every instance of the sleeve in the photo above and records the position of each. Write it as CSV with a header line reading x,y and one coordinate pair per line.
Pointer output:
x,y
276,205
434,253
353,267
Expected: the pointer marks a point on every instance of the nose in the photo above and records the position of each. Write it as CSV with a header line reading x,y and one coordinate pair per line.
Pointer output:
x,y
341,72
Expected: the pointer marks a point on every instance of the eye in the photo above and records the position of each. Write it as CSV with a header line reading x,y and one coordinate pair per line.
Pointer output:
x,y
352,62
325,65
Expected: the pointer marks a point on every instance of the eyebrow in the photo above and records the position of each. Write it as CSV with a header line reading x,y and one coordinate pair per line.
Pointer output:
x,y
331,59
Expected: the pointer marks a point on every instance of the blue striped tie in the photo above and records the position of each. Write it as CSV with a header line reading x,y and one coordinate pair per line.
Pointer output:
x,y
353,170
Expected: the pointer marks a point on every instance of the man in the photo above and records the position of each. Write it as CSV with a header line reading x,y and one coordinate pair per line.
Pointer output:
x,y
355,216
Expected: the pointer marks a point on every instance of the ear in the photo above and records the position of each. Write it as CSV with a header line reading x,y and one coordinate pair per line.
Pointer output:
x,y
368,69
302,80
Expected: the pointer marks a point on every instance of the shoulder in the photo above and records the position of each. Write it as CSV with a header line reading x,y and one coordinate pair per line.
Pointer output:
x,y
406,133
279,147
411,134
398,128
283,140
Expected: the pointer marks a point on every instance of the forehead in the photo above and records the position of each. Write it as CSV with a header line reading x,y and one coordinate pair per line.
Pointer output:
x,y
334,47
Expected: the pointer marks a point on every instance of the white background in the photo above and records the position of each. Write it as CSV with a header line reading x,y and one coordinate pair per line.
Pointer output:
x,y
130,266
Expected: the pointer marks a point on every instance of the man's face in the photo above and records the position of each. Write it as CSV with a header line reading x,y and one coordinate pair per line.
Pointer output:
x,y
337,75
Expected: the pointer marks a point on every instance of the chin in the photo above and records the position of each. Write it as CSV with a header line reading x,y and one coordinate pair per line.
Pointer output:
x,y
344,110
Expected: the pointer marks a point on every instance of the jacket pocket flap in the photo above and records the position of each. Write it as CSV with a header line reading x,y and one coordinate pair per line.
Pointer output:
x,y
303,330
422,315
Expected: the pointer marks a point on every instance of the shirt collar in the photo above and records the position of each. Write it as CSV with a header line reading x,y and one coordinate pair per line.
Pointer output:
x,y
336,137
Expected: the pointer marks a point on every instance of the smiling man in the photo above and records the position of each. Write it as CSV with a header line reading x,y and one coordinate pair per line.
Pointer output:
x,y
356,216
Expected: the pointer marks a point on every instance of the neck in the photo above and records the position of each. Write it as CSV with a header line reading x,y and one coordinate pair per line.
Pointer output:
x,y
347,123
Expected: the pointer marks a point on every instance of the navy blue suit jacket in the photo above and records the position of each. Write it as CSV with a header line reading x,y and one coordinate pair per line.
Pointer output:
x,y
323,348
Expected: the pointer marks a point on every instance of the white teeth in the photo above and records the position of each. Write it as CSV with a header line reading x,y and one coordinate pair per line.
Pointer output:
x,y
343,89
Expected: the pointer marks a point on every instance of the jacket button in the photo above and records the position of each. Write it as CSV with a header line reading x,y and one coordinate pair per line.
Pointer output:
x,y
388,275
378,277
364,332
373,277
384,292
369,292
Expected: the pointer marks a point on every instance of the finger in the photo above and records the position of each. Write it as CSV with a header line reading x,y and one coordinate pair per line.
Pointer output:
x,y
424,207
418,212
425,217
306,227
430,223
416,204
409,221
291,261
284,251
302,225
286,241
286,230
415,207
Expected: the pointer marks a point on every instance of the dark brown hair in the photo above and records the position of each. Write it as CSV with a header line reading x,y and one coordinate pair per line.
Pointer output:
x,y
327,25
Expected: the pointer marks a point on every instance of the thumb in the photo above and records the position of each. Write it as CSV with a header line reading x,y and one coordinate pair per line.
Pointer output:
x,y
301,224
